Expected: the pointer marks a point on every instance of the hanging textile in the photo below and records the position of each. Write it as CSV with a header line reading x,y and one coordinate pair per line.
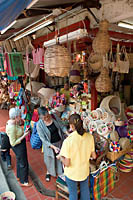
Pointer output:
x,y
1,62
38,56
10,10
14,64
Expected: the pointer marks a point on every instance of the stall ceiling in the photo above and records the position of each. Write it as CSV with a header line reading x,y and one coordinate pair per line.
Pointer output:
x,y
45,7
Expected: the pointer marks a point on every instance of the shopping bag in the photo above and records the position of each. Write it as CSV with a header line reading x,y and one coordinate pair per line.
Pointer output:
x,y
35,140
122,60
102,181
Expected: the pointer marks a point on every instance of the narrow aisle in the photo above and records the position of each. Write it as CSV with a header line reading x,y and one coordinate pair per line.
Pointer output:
x,y
123,188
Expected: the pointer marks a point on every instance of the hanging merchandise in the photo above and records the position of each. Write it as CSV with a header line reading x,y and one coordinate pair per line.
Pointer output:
x,y
1,62
14,63
28,69
112,63
35,72
122,59
102,43
95,62
75,73
57,61
103,82
38,56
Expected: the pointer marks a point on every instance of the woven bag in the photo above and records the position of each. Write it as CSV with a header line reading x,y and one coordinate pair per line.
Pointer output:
x,y
57,61
102,43
95,62
103,82
123,64
75,73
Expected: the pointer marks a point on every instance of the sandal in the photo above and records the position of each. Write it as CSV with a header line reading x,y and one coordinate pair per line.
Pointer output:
x,y
48,177
26,184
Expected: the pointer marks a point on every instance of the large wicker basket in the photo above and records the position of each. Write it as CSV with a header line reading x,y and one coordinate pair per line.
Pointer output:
x,y
102,43
103,82
57,61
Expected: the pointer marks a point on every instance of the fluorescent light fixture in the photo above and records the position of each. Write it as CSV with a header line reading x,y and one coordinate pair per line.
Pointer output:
x,y
125,25
33,29
10,25
75,35
31,4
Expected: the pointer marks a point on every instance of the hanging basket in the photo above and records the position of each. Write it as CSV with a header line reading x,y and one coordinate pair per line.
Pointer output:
x,y
104,25
57,61
103,82
95,62
75,73
102,43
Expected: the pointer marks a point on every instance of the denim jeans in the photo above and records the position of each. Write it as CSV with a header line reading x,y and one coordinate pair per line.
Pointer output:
x,y
5,155
73,191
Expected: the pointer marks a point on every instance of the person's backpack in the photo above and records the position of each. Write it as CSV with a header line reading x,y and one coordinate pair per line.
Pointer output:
x,y
35,140
4,141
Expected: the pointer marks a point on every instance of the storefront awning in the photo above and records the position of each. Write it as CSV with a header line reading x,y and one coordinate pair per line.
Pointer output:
x,y
10,10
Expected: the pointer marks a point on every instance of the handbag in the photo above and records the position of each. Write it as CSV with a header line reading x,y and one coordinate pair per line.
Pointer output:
x,y
122,60
102,180
35,140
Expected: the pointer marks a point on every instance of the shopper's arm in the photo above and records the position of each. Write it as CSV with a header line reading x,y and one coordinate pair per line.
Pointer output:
x,y
65,161
93,155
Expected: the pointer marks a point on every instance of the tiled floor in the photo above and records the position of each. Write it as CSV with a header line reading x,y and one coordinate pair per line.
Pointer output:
x,y
123,188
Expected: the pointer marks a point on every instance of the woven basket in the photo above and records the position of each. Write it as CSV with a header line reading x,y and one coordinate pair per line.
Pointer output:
x,y
104,25
57,61
103,82
102,43
75,73
95,62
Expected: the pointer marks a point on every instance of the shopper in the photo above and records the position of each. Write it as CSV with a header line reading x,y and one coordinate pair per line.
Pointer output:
x,y
66,91
18,143
51,132
75,153
5,149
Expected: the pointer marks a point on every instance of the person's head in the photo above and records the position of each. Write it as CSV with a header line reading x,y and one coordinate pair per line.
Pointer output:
x,y
44,114
66,86
76,124
15,114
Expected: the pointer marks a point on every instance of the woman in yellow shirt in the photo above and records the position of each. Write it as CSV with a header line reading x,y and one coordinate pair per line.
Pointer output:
x,y
75,153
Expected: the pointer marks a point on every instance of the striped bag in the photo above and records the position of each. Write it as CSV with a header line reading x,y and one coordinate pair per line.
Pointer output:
x,y
102,181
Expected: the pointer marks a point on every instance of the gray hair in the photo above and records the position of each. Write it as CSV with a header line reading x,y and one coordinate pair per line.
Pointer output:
x,y
14,112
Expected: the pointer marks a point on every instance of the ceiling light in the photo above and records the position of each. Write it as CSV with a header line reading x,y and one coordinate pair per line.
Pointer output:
x,y
10,25
125,25
31,4
33,29
75,35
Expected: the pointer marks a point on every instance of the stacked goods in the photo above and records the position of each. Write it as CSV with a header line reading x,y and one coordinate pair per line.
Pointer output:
x,y
57,61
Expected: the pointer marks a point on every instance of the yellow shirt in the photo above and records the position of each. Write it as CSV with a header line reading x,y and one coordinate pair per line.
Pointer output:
x,y
78,148
14,132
